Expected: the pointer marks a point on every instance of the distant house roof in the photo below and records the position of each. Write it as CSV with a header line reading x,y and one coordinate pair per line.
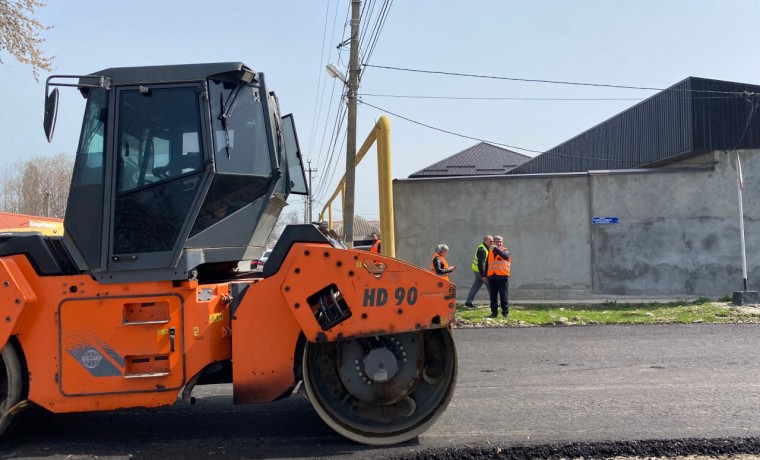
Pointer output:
x,y
363,228
479,160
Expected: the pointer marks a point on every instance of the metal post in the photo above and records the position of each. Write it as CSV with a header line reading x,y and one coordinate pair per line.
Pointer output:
x,y
353,87
745,296
741,220
310,197
385,182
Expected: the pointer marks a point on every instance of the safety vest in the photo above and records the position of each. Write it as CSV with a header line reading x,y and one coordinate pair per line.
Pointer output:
x,y
497,265
444,266
475,260
375,247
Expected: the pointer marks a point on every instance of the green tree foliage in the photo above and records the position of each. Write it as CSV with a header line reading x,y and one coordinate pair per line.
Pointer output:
x,y
19,34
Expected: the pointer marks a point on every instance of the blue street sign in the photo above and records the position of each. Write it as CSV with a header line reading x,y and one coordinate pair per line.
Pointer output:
x,y
604,220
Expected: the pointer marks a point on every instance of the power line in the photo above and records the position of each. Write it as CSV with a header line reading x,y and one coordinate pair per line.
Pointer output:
x,y
753,106
377,29
332,91
320,80
324,191
332,173
446,131
493,142
475,98
365,17
339,116
368,37
324,130
559,82
472,98
330,165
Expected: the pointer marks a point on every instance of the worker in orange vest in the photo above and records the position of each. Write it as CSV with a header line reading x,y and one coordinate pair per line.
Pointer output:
x,y
438,264
375,243
499,261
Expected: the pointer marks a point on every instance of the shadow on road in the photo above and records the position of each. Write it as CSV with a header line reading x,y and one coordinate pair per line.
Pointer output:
x,y
214,426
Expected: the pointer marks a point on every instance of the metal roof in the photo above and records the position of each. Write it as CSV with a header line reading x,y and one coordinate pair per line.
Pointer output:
x,y
693,116
363,228
479,160
170,73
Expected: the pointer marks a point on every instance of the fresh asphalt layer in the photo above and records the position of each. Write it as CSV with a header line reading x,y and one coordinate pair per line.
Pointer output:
x,y
542,392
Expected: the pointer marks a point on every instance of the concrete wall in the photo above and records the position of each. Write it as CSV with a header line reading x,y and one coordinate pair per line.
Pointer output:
x,y
677,232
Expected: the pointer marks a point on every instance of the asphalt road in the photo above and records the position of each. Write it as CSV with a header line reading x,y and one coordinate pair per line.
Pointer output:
x,y
517,387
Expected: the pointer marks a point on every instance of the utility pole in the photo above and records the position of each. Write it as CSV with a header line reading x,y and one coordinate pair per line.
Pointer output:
x,y
353,88
310,197
745,296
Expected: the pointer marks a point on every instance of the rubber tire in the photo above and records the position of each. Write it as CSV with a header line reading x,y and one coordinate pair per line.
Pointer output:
x,y
379,439
11,382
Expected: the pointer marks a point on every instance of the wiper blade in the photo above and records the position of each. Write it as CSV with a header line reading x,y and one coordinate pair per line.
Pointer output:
x,y
225,108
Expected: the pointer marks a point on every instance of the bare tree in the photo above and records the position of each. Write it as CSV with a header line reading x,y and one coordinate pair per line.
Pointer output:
x,y
285,219
37,186
19,34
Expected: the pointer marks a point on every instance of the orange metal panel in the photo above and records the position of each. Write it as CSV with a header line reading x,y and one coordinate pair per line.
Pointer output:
x,y
264,339
207,326
15,295
95,341
401,297
95,314
276,310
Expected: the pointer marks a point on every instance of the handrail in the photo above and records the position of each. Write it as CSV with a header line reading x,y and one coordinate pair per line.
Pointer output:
x,y
380,133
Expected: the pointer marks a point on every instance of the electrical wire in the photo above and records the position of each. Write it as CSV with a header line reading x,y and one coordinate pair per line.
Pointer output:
x,y
332,93
329,163
367,16
332,160
753,109
324,129
475,98
376,30
559,82
326,189
364,18
447,131
320,81
493,142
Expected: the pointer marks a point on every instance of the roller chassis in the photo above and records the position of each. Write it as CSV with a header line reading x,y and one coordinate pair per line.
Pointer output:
x,y
380,372
182,171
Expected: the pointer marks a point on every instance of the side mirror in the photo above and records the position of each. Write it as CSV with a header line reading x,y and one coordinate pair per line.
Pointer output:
x,y
51,112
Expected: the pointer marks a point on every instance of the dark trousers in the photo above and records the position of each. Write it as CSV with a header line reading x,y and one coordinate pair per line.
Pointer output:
x,y
475,287
499,286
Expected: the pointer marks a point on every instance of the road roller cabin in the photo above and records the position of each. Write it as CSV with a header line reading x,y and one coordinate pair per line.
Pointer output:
x,y
181,171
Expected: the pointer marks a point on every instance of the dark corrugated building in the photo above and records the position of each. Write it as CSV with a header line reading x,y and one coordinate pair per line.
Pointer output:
x,y
694,116
480,159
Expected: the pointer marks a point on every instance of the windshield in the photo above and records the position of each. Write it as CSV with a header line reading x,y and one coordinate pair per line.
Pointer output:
x,y
241,153
296,174
158,167
240,138
83,214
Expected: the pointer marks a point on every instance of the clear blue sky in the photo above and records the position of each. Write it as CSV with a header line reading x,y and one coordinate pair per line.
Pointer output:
x,y
652,43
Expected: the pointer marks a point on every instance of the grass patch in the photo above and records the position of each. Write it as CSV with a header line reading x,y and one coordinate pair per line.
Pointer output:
x,y
702,310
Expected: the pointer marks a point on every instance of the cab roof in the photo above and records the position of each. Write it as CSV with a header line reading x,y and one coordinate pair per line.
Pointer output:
x,y
231,71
